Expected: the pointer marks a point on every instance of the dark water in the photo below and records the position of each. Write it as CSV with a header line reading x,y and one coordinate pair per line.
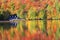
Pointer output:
x,y
7,25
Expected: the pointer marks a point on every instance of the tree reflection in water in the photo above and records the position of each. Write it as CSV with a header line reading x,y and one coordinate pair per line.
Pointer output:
x,y
7,25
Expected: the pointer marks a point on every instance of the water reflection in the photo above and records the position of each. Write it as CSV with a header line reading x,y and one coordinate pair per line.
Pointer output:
x,y
31,24
8,25
47,27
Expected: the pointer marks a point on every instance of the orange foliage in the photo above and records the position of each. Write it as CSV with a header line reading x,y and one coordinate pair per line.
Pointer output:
x,y
0,36
54,11
7,35
55,28
0,3
8,0
48,25
50,3
16,35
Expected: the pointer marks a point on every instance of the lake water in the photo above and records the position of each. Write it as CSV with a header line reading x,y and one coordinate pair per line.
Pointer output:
x,y
47,27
